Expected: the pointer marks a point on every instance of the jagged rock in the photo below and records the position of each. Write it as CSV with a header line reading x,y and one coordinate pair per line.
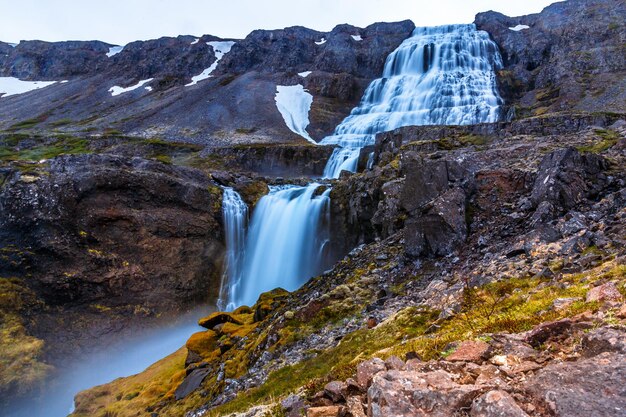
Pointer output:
x,y
365,371
565,177
191,383
355,407
335,390
603,293
470,351
548,331
440,229
589,387
496,404
294,406
416,394
605,339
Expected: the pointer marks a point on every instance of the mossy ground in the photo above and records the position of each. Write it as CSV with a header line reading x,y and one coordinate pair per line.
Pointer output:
x,y
22,369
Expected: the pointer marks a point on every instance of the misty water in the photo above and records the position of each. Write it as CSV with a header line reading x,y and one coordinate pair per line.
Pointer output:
x,y
128,356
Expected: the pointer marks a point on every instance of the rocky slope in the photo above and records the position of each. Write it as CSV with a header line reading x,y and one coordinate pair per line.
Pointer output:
x,y
236,105
571,56
485,260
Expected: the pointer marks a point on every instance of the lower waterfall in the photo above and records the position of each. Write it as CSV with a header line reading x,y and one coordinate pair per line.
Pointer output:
x,y
284,245
235,213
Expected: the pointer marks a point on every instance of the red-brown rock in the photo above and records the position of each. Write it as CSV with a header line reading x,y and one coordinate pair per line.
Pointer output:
x,y
470,351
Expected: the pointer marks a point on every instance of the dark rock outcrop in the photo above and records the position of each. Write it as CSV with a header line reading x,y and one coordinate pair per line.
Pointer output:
x,y
571,56
121,231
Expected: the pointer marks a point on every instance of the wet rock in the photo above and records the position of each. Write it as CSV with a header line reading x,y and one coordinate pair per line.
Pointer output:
x,y
404,393
589,387
496,404
604,292
365,371
470,351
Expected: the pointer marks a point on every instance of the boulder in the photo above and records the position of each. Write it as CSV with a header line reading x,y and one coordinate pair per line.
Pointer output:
x,y
566,177
496,404
604,292
470,351
365,371
217,318
589,387
418,394
604,339
191,383
327,411
548,331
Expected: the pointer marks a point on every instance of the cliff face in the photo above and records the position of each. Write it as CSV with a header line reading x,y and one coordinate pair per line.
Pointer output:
x,y
236,105
571,56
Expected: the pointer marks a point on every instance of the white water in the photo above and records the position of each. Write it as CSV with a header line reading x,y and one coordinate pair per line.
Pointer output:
x,y
285,243
439,76
235,213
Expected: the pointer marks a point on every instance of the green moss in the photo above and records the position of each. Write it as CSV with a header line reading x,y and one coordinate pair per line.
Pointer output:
x,y
61,122
41,148
609,138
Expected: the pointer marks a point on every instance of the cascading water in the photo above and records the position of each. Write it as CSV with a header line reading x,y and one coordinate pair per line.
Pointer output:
x,y
235,213
439,76
286,241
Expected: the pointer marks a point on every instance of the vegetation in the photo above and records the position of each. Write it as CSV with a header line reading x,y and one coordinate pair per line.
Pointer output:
x,y
608,139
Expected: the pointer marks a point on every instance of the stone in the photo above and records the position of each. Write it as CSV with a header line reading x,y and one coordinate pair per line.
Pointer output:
x,y
622,312
604,292
365,371
564,175
327,411
589,387
604,339
217,318
563,303
470,351
394,362
496,404
355,407
548,331
418,394
293,406
371,322
335,390
191,383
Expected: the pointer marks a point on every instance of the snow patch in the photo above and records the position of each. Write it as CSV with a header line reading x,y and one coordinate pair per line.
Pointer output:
x,y
294,103
220,48
195,42
10,86
321,42
305,74
519,27
357,37
114,50
13,44
117,90
65,81
148,88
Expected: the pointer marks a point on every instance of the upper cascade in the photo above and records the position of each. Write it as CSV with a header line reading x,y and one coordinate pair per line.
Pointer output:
x,y
442,75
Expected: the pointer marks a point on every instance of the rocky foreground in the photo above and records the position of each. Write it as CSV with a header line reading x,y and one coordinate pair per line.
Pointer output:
x,y
490,281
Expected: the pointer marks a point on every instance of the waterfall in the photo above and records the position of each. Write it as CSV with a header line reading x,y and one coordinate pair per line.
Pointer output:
x,y
235,213
439,76
285,243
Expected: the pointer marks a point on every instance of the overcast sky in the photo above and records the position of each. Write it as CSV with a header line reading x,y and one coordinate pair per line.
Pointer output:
x,y
122,21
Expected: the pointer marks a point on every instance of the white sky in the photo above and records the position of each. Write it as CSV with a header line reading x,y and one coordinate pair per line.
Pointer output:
x,y
122,21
